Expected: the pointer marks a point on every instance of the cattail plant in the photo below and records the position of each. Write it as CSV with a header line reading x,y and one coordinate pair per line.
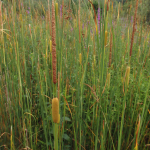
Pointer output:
x,y
137,131
56,120
54,59
51,46
107,5
105,42
56,5
95,20
112,7
118,11
80,58
133,31
55,110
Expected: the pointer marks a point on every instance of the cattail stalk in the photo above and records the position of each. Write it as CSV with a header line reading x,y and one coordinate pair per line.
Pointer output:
x,y
58,85
132,38
54,60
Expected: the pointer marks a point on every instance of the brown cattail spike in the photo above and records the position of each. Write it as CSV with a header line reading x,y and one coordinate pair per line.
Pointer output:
x,y
54,60
132,38
107,6
55,110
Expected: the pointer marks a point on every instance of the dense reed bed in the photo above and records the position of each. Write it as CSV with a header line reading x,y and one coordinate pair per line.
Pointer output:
x,y
95,67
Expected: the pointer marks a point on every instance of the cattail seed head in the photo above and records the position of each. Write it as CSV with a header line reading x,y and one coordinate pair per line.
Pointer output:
x,y
118,11
128,33
80,58
58,119
54,59
105,42
133,32
55,110
50,45
127,76
56,5
112,6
